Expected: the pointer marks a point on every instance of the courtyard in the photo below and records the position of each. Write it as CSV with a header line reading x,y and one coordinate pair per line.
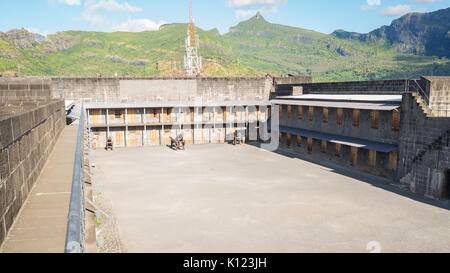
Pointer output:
x,y
224,198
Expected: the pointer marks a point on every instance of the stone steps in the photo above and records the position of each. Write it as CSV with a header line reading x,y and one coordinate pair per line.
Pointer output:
x,y
423,105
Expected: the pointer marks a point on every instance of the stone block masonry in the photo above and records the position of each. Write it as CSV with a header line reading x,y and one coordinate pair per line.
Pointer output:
x,y
24,89
26,140
167,89
426,174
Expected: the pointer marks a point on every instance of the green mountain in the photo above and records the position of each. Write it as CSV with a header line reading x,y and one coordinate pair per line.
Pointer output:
x,y
253,47
420,33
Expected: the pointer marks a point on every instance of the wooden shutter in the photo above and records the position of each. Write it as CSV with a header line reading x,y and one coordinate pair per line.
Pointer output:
x,y
299,141
325,115
131,116
356,117
158,114
300,112
311,113
324,146
396,120
95,116
288,139
354,156
151,114
375,119
372,158
289,111
393,160
338,149
339,116
281,111
310,141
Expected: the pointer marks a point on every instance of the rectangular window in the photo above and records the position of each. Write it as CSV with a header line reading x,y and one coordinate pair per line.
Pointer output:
x,y
289,111
95,116
280,137
375,119
150,113
299,141
393,160
117,113
325,115
396,120
354,156
339,116
338,149
311,113
372,158
310,141
300,112
288,139
355,117
324,146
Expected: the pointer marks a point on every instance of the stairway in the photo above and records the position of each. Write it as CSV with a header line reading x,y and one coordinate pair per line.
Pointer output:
x,y
423,105
440,141
437,145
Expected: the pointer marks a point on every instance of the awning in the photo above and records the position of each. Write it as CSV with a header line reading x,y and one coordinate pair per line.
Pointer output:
x,y
382,106
345,97
117,105
344,140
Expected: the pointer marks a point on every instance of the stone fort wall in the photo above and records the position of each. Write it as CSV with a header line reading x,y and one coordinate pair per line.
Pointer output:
x,y
26,140
167,89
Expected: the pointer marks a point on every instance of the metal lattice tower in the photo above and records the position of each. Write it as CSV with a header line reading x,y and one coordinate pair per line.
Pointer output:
x,y
192,62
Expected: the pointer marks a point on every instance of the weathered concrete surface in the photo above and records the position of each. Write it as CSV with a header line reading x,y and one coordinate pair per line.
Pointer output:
x,y
222,198
42,223
26,141
431,136
138,89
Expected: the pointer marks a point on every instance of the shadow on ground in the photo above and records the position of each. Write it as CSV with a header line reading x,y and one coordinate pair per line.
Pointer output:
x,y
376,181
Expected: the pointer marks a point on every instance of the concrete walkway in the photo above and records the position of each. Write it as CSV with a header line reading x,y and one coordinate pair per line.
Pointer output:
x,y
42,223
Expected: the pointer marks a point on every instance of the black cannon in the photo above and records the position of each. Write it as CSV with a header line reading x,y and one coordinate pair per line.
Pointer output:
x,y
178,143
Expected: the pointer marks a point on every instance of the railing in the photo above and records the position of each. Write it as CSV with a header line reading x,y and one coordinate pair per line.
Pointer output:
x,y
421,92
438,109
75,237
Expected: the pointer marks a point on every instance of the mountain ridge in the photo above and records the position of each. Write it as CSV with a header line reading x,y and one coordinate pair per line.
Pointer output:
x,y
252,47
417,33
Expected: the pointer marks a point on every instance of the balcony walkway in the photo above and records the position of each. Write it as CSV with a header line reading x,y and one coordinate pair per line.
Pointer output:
x,y
42,222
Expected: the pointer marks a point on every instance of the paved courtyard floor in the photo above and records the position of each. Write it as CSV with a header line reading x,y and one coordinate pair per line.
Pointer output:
x,y
222,198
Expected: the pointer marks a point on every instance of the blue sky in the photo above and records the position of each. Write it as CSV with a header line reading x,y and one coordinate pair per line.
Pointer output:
x,y
50,16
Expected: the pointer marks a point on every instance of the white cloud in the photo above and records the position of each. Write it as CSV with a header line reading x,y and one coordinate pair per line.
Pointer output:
x,y
70,2
92,18
373,2
246,13
249,8
248,3
368,7
371,5
396,10
427,1
37,31
111,6
93,8
33,30
138,25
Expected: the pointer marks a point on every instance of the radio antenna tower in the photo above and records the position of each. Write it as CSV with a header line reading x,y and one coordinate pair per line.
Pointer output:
x,y
192,62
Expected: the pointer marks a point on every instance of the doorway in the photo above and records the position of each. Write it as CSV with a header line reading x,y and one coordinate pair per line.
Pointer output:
x,y
445,186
